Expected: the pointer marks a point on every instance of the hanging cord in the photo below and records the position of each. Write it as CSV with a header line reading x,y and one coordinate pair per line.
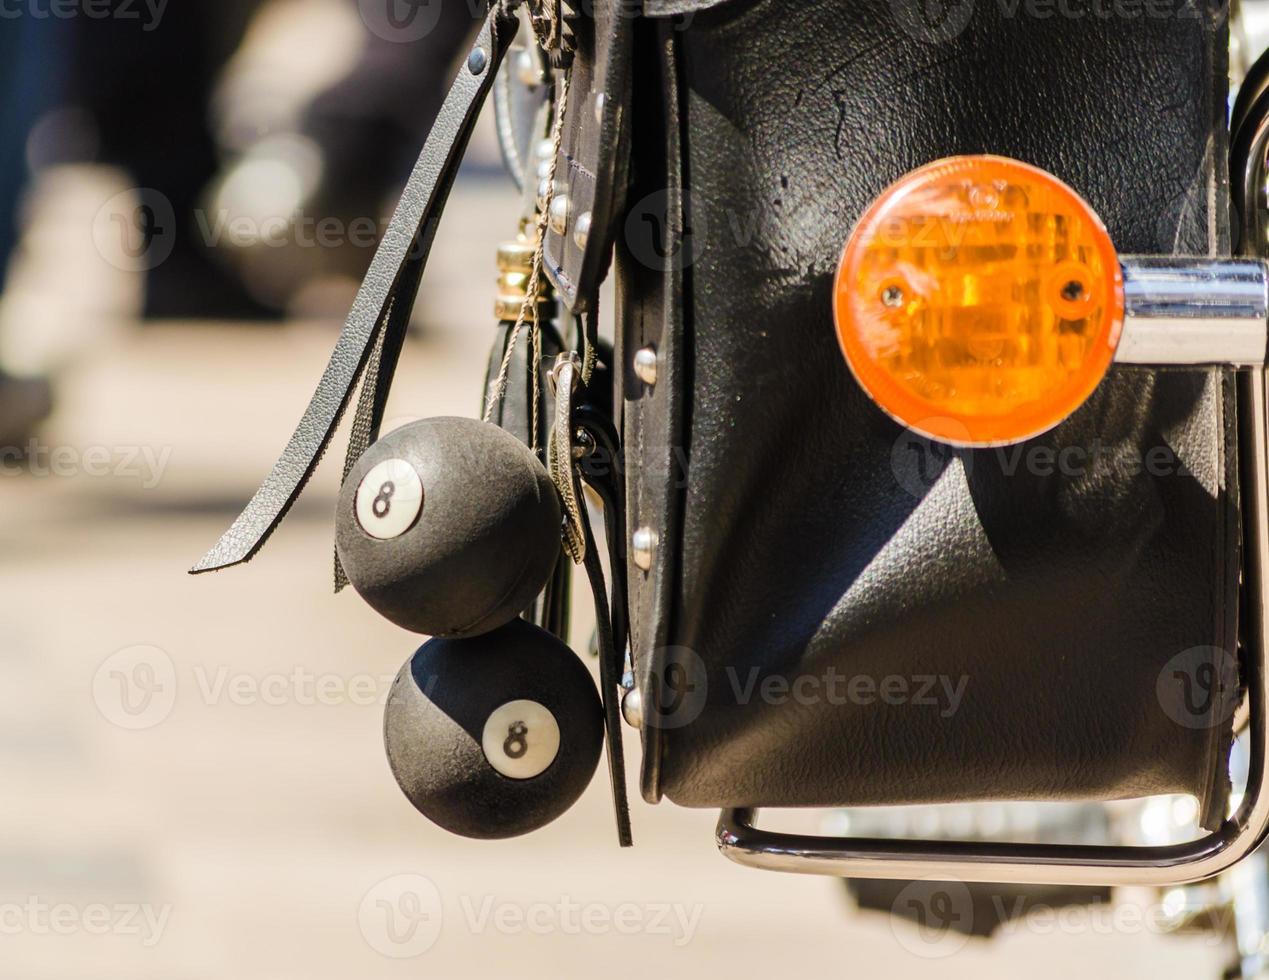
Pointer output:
x,y
580,543
559,456
590,340
568,445
610,665
529,309
535,381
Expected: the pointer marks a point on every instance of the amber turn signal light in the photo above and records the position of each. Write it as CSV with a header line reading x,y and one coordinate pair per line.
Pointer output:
x,y
979,300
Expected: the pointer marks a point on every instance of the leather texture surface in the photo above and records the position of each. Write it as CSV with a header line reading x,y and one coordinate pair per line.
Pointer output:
x,y
376,325
1062,587
678,8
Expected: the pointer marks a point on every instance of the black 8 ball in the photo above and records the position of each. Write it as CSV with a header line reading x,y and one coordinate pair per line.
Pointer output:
x,y
496,735
448,526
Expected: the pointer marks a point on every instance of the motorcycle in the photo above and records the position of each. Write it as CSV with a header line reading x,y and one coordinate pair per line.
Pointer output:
x,y
928,435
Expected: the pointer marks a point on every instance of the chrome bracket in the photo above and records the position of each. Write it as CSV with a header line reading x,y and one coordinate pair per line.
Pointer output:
x,y
1185,312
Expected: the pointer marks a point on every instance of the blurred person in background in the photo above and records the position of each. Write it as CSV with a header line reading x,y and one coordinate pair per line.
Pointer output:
x,y
106,150
226,153
330,148
29,80
144,89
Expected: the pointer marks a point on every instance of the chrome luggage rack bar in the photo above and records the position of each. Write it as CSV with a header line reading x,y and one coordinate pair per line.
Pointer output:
x,y
1178,312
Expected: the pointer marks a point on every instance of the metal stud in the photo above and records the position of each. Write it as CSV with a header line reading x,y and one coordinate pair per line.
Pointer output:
x,y
581,230
632,708
645,365
558,214
643,545
546,191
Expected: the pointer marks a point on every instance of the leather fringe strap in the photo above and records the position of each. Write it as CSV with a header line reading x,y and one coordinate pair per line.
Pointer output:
x,y
382,307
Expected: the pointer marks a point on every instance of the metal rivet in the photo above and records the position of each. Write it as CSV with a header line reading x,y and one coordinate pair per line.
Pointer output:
x,y
558,214
892,296
632,708
645,365
477,60
581,230
547,189
643,545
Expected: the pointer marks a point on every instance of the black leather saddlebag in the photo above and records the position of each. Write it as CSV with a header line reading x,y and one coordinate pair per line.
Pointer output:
x,y
836,611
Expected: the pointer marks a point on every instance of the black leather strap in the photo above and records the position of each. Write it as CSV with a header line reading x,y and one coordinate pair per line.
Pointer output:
x,y
609,681
381,309
593,153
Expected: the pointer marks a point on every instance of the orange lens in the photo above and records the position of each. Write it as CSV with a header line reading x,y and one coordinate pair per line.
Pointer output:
x,y
979,300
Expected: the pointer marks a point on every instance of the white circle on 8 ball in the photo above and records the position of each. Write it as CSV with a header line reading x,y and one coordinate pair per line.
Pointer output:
x,y
521,739
389,499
